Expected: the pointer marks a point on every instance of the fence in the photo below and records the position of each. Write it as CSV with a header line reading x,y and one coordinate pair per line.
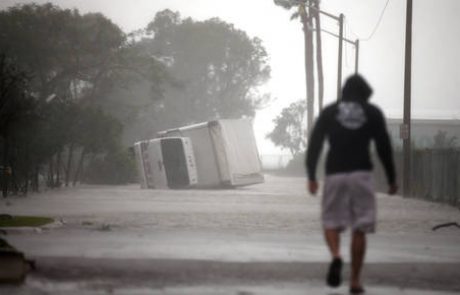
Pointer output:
x,y
435,175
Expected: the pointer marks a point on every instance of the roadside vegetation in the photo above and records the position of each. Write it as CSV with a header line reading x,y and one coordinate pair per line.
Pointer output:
x,y
76,91
23,221
435,172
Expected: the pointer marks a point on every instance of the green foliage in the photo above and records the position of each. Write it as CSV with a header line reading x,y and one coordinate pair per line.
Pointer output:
x,y
17,110
23,221
286,4
97,131
443,141
63,50
296,165
117,167
134,94
289,131
15,104
218,67
289,4
71,83
75,65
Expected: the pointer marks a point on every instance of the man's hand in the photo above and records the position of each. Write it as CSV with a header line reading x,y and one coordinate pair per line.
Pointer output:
x,y
312,187
392,189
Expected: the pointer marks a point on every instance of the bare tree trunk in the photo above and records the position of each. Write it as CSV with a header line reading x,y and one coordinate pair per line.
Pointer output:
x,y
69,165
35,179
58,169
14,186
18,185
319,57
309,65
51,173
5,167
80,167
27,173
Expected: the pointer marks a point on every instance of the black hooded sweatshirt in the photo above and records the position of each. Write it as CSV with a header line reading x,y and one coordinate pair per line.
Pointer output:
x,y
350,125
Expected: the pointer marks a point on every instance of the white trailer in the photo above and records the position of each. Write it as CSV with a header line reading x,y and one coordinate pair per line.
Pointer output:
x,y
225,152
166,163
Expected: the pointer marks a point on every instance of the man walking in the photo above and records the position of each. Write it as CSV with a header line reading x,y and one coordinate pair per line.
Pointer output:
x,y
348,196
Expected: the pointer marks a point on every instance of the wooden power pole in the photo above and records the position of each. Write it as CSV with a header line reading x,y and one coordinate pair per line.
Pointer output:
x,y
406,126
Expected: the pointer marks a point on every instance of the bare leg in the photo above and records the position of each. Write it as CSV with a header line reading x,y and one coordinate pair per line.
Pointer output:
x,y
334,274
332,237
358,250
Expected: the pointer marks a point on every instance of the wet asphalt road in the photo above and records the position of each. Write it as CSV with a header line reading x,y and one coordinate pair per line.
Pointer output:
x,y
261,239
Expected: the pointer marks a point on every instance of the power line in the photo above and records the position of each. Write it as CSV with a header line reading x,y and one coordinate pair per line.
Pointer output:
x,y
375,27
347,46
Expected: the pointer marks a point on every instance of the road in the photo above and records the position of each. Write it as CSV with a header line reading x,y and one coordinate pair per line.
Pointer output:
x,y
260,239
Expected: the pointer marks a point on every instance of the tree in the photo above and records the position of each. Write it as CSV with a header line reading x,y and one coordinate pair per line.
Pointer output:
x,y
219,68
443,141
63,50
307,10
99,132
16,107
319,54
76,63
73,56
289,131
135,94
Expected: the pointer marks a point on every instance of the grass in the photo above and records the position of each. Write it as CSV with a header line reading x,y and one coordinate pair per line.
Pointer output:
x,y
23,221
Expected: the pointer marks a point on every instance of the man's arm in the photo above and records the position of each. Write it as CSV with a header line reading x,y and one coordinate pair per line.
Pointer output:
x,y
385,151
315,145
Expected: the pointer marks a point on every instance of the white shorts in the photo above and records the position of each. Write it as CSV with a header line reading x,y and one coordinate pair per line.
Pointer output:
x,y
349,201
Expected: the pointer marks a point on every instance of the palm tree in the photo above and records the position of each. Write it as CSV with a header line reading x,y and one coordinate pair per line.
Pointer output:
x,y
319,55
306,15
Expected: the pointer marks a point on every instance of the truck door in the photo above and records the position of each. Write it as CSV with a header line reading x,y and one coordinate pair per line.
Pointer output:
x,y
175,162
158,179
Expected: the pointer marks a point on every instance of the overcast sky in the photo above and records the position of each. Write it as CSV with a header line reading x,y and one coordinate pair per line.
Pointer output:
x,y
436,66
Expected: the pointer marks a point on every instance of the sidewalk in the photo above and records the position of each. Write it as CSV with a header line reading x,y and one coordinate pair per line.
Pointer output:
x,y
36,287
141,276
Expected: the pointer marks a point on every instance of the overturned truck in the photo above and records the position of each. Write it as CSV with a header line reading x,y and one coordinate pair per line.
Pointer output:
x,y
165,163
220,153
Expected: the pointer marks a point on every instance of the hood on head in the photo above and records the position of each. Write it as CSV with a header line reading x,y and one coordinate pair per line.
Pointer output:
x,y
356,88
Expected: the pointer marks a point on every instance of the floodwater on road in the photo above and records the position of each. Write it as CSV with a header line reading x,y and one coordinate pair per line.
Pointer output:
x,y
260,239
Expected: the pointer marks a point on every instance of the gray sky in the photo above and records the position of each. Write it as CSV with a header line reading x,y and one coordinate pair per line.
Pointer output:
x,y
436,66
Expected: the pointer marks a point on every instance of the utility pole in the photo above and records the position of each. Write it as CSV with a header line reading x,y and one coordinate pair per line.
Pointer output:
x,y
306,20
354,43
305,17
319,56
339,73
406,126
340,19
356,55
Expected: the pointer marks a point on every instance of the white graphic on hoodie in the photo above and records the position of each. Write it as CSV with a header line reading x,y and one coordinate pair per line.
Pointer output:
x,y
351,115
